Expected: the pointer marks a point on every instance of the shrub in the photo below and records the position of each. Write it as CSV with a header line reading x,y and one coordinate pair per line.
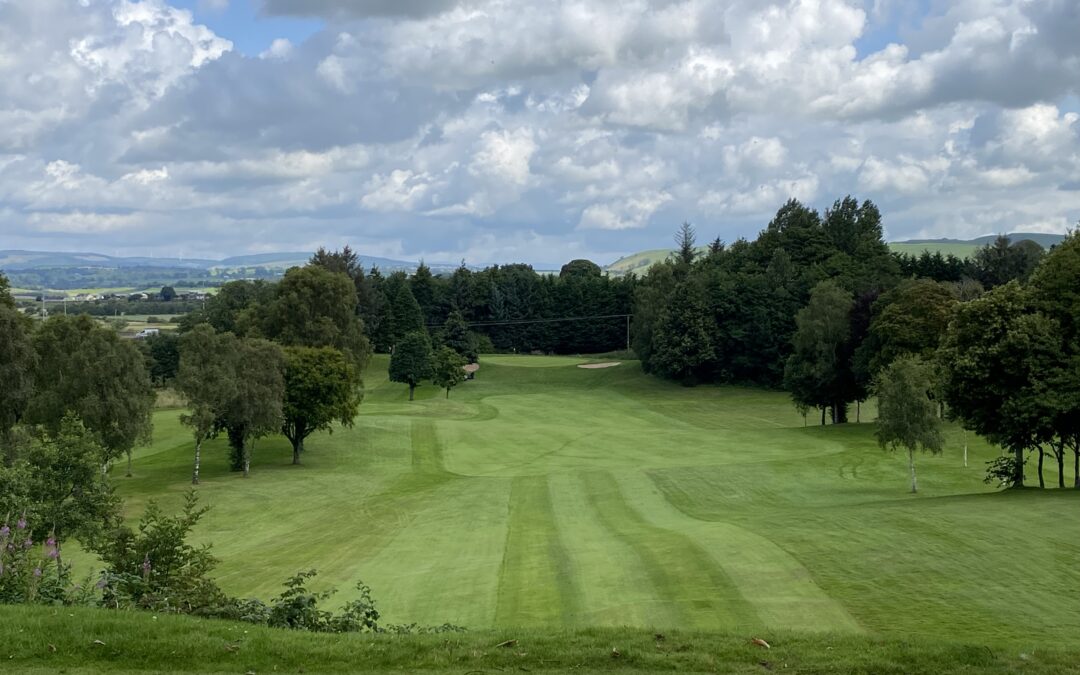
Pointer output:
x,y
31,573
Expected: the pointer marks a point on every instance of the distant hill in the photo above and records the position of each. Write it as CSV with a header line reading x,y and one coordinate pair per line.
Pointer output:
x,y
962,248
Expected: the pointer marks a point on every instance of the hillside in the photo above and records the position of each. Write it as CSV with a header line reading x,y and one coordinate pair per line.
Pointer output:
x,y
962,248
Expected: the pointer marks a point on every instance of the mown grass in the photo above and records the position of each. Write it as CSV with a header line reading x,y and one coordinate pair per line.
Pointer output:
x,y
543,497
82,641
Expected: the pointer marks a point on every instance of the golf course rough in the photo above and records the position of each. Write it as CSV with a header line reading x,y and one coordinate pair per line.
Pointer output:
x,y
544,495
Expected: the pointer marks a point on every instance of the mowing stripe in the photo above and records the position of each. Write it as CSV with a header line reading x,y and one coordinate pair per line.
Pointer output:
x,y
698,592
612,579
536,584
777,585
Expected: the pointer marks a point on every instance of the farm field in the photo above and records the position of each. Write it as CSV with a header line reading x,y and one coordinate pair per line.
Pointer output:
x,y
547,496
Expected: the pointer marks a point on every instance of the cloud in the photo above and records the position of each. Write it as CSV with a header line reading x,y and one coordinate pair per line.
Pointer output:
x,y
499,130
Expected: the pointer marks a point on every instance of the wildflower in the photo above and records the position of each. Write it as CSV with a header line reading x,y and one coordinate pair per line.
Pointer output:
x,y
5,530
52,553
146,565
37,571
28,543
22,523
51,542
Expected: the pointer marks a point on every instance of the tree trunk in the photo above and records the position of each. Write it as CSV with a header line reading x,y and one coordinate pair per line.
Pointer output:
x,y
840,413
911,465
247,459
1076,466
1042,454
129,464
1018,470
965,448
297,448
858,412
412,388
448,393
822,415
1060,452
198,461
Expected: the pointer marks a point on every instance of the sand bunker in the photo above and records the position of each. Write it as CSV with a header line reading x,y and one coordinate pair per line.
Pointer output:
x,y
591,366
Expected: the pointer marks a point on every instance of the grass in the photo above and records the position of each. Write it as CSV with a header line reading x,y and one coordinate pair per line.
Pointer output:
x,y
545,497
83,641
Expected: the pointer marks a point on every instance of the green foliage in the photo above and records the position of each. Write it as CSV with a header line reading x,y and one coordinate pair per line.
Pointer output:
x,y
998,263
298,608
207,378
162,353
816,374
457,336
993,358
406,315
908,319
411,361
448,369
314,307
63,489
322,387
580,268
907,415
683,341
31,571
168,293
154,567
90,371
256,407
18,362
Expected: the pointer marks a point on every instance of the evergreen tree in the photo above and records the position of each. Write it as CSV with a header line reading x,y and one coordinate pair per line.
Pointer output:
x,y
411,361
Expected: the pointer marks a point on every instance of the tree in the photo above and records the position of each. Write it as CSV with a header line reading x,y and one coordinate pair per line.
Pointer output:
x,y
1000,262
168,293
909,319
314,307
580,268
686,240
411,361
815,373
993,359
425,289
255,409
162,352
90,371
457,336
322,386
681,342
907,416
18,362
405,313
448,369
208,380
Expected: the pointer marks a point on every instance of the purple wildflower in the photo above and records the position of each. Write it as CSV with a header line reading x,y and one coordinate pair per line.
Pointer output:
x,y
28,543
52,553
51,542
22,523
37,571
5,530
146,565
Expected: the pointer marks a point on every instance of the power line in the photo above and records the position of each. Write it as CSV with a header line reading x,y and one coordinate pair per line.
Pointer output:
x,y
515,322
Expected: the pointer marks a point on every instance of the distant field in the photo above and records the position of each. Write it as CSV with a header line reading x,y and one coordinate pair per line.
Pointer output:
x,y
958,250
550,496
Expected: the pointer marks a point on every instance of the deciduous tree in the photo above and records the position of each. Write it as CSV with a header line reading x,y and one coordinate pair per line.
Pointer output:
x,y
322,387
907,416
448,369
208,379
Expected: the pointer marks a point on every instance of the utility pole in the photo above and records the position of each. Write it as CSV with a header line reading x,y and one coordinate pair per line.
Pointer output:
x,y
627,332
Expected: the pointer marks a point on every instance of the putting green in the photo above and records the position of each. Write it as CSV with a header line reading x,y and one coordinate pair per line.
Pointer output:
x,y
542,494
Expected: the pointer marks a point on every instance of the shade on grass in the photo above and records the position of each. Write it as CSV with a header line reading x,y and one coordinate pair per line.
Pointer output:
x,y
544,495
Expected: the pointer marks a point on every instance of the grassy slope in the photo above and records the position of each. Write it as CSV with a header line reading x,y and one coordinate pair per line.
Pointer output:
x,y
557,497
82,641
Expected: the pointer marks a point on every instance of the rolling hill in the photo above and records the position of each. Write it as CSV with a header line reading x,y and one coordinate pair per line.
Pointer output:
x,y
640,262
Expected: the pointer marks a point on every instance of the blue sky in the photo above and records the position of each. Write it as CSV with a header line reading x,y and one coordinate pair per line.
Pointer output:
x,y
249,29
526,130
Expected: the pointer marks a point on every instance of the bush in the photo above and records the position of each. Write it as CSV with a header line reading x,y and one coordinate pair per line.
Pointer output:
x,y
1001,470
32,573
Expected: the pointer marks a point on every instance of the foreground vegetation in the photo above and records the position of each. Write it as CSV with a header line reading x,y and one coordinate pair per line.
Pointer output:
x,y
73,641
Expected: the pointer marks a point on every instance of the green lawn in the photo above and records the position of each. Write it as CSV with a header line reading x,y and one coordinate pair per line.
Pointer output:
x,y
543,496
43,640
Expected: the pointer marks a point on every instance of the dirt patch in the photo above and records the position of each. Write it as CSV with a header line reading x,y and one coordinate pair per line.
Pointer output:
x,y
593,366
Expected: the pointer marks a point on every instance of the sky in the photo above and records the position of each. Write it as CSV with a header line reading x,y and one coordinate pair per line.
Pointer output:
x,y
526,131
